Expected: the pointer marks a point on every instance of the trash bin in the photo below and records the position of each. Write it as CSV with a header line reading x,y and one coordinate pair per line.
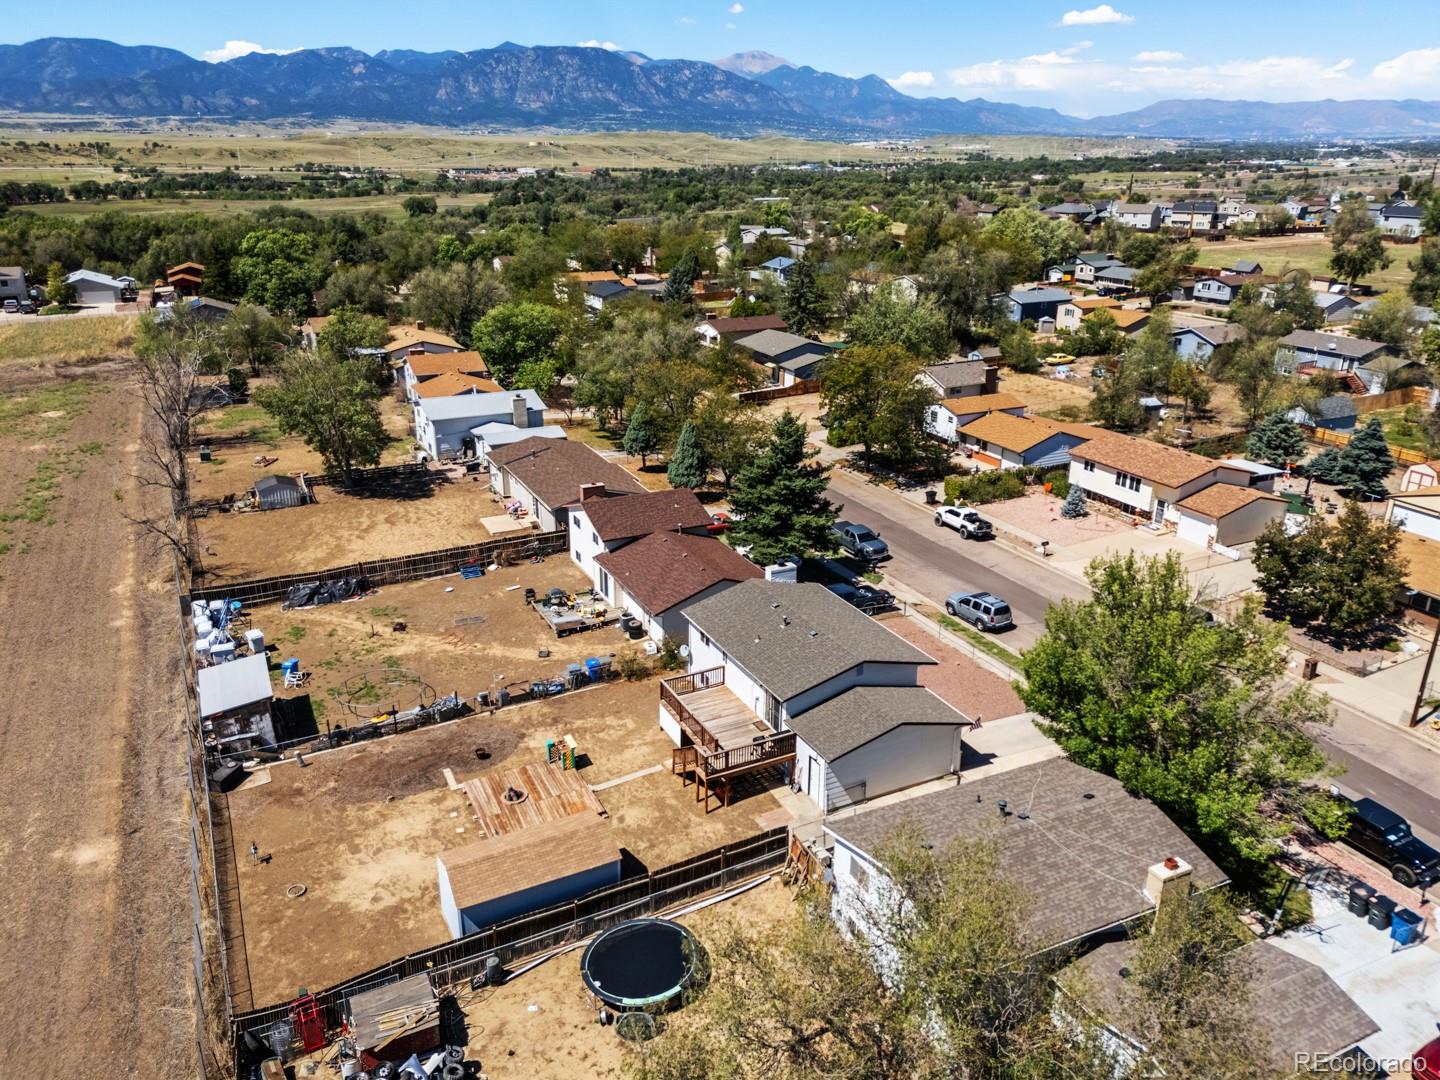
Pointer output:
x,y
931,496
1382,909
1310,669
1360,895
1405,927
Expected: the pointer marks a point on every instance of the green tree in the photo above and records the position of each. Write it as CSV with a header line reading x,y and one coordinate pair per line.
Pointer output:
x,y
452,298
333,405
869,393
1391,319
1187,383
1424,287
1252,371
1357,247
687,468
1194,715
1116,403
1343,577
542,376
779,497
1150,357
1368,461
964,279
728,431
354,286
1032,240
641,440
1074,504
348,330
1017,350
517,333
58,291
1098,335
804,305
1291,298
252,337
679,287
889,318
277,269
1276,440
420,205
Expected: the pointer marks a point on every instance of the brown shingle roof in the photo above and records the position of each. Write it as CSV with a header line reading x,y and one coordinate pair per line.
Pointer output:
x,y
554,469
1125,318
665,569
1081,852
982,403
1423,574
1092,303
1148,460
404,336
639,515
456,382
747,324
1218,500
425,365
1017,433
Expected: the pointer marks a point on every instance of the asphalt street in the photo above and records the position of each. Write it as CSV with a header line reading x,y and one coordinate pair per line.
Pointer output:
x,y
1381,761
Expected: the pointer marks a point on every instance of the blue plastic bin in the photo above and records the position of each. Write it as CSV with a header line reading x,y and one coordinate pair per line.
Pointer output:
x,y
289,667
1404,927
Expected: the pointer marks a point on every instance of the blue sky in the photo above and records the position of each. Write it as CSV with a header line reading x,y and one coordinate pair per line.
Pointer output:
x,y
1081,58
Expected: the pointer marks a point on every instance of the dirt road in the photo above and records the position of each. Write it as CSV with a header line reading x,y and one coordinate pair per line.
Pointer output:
x,y
96,922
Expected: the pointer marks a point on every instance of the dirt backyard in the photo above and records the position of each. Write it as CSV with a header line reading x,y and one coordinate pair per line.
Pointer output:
x,y
360,827
93,829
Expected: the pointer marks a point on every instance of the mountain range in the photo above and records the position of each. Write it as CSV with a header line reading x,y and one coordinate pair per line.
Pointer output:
x,y
516,86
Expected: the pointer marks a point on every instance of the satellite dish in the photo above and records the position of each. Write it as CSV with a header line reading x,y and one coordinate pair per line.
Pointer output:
x,y
684,651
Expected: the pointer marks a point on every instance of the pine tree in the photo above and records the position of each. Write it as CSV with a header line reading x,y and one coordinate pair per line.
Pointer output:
x,y
678,287
688,468
640,438
779,498
1368,461
804,307
1277,440
1074,505
1328,467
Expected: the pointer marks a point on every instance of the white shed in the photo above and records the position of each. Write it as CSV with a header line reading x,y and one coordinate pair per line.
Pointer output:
x,y
1227,515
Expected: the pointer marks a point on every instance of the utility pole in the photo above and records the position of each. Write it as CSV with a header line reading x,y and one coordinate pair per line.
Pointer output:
x,y
1425,677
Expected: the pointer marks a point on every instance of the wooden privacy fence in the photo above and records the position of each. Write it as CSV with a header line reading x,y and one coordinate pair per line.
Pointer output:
x,y
402,568
770,393
530,935
1406,395
361,478
1326,437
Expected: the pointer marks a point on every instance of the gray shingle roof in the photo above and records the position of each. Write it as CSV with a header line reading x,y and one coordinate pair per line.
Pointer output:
x,y
864,713
770,343
957,374
1040,295
1221,334
1082,852
791,637
1299,1008
1336,406
1331,344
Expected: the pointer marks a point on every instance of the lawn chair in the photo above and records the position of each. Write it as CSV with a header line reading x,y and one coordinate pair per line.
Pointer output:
x,y
296,679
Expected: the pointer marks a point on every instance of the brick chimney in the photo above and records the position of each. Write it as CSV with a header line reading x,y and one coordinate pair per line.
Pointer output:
x,y
519,411
592,491
992,379
419,324
1167,885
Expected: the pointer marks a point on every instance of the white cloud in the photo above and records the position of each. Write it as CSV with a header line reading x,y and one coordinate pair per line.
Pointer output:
x,y
1096,16
685,20
608,46
1158,56
729,26
736,9
1415,66
910,80
232,49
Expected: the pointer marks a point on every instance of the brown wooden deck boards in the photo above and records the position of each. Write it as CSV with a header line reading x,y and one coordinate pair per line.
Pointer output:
x,y
551,794
725,716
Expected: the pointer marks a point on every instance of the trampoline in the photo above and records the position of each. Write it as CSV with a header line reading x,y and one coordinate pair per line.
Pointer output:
x,y
643,963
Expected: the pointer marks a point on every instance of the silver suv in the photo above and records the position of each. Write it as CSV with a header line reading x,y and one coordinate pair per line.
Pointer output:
x,y
986,610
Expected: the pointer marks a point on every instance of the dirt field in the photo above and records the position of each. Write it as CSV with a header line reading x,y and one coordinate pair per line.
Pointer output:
x,y
97,921
360,827
1044,395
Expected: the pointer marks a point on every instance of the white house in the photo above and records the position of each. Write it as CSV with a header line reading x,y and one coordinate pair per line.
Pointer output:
x,y
1417,512
1300,350
1400,219
599,526
1424,475
550,477
1145,478
446,426
661,576
1222,289
960,378
1069,314
945,418
1227,515
1143,216
405,340
788,674
12,283
93,287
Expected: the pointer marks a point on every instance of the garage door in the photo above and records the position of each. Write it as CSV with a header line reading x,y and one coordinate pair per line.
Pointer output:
x,y
1194,530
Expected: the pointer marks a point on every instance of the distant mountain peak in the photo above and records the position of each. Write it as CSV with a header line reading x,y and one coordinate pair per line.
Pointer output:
x,y
753,62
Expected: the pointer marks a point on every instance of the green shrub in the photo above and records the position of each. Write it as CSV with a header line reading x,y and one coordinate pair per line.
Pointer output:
x,y
986,487
1059,481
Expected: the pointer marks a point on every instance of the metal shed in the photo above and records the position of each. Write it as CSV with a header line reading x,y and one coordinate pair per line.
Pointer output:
x,y
277,492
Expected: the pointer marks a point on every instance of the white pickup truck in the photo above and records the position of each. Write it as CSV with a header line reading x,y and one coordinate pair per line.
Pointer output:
x,y
965,521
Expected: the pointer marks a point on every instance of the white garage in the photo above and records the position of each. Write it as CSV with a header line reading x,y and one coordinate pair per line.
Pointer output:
x,y
1226,514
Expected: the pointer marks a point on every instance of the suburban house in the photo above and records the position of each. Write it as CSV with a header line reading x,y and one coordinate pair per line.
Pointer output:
x,y
1089,264
208,308
447,426
599,526
1227,515
93,287
1009,441
777,269
870,279
960,378
600,293
1034,303
1246,266
422,368
1094,858
453,384
1197,215
716,331
660,576
1069,314
405,340
1143,216
550,477
788,358
186,278
1334,413
1117,278
1145,478
1198,343
1417,513
788,674
1072,211
1336,307
1302,349
1128,321
544,840
1222,289
1306,1016
945,418
12,284
1399,219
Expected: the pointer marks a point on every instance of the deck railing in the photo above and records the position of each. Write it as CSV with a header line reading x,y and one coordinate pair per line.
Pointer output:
x,y
673,689
774,748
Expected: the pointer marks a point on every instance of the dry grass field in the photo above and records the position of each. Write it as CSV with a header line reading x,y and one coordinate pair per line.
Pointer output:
x,y
1308,252
65,339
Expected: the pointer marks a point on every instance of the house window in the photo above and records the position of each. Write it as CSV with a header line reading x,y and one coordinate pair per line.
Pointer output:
x,y
595,539
1088,466
1125,480
704,639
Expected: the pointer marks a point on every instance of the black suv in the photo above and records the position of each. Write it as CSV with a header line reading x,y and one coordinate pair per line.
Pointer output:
x,y
865,597
1385,836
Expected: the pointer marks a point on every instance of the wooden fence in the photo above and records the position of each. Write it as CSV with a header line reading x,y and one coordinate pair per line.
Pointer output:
x,y
1408,395
362,478
1326,437
770,393
418,567
529,935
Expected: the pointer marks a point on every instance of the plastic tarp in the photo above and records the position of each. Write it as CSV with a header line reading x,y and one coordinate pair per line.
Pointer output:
x,y
319,593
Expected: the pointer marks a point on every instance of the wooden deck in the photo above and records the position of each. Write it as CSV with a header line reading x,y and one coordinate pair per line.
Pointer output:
x,y
726,717
551,793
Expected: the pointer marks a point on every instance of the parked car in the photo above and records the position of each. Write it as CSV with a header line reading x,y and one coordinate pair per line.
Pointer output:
x,y
866,598
27,307
12,307
986,610
860,541
1425,1062
719,522
965,521
1385,836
